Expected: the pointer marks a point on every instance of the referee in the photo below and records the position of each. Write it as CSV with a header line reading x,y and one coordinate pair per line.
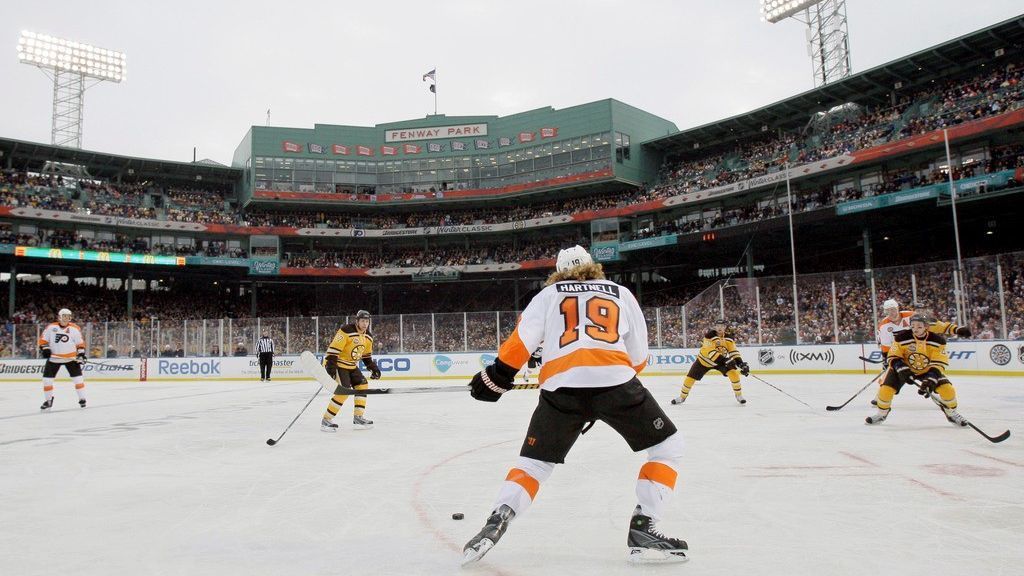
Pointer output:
x,y
265,352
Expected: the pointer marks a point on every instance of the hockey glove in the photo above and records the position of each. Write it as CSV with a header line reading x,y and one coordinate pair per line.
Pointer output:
x,y
81,357
492,382
922,387
331,365
45,353
374,369
963,332
744,367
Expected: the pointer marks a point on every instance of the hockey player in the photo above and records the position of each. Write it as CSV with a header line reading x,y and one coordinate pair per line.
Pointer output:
x,y
595,344
352,343
895,320
717,352
918,356
533,363
62,344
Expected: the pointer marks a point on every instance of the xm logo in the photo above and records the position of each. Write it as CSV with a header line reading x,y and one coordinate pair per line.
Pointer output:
x,y
795,357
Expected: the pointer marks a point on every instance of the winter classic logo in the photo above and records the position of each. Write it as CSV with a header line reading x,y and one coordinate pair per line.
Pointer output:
x,y
1000,355
765,356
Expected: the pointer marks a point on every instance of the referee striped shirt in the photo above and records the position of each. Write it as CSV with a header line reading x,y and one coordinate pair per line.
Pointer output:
x,y
264,345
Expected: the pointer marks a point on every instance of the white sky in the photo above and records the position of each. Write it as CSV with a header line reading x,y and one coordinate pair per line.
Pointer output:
x,y
200,73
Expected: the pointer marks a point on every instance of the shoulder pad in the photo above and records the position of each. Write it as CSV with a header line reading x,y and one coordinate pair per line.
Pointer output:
x,y
711,334
905,334
348,328
937,338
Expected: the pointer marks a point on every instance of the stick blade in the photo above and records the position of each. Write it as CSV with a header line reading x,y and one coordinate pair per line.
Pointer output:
x,y
271,441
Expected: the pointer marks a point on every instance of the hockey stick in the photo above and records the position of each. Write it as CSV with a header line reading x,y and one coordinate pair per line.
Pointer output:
x,y
873,380
993,439
754,376
870,361
271,441
312,367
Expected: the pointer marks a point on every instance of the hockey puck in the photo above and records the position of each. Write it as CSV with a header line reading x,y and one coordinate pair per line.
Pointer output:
x,y
458,516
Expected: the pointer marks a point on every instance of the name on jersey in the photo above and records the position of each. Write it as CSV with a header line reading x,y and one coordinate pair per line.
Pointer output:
x,y
576,287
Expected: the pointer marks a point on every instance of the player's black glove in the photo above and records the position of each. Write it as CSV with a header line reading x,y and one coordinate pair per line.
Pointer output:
x,y
45,353
744,367
81,357
489,384
922,387
372,365
331,365
963,332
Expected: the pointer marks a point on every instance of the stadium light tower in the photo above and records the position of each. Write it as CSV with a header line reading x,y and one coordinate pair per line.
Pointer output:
x,y
828,42
69,63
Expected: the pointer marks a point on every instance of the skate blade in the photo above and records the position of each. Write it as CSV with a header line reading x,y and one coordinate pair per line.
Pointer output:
x,y
329,430
473,554
652,556
362,426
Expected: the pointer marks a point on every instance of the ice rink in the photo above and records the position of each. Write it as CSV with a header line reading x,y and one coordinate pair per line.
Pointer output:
x,y
176,478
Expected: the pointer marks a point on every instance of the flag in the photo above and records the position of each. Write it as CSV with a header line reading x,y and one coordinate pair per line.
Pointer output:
x,y
288,146
340,149
315,148
548,132
411,149
525,137
364,151
389,150
482,144
504,141
434,147
456,145
430,75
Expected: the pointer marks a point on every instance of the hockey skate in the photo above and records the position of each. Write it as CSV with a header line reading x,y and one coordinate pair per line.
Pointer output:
x,y
488,536
877,417
48,404
741,399
955,418
361,423
328,426
647,544
679,400
81,402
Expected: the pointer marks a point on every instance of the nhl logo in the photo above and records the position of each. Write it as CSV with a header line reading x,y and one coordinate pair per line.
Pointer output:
x,y
765,356
659,424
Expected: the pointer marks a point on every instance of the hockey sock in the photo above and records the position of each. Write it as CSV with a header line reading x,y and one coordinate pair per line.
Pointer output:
x,y
947,394
885,395
48,388
522,483
687,384
334,406
734,377
79,386
360,401
656,482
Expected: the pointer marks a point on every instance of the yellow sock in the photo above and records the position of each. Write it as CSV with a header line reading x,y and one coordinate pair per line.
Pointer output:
x,y
885,395
947,394
360,401
734,377
687,384
334,406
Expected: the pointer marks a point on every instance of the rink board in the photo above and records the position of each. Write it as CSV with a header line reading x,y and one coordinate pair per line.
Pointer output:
x,y
996,358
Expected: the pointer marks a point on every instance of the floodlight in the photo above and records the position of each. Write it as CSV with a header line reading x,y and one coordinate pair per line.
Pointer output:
x,y
776,10
70,63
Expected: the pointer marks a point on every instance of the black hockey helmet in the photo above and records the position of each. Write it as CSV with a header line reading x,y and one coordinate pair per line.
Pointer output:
x,y
918,317
362,314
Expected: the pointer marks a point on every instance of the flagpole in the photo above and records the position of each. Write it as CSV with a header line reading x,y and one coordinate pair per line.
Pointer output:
x,y
435,90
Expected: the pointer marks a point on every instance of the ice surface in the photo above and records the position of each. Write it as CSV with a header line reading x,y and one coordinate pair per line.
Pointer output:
x,y
176,478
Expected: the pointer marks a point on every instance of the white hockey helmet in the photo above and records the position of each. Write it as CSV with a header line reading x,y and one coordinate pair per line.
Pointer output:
x,y
890,304
64,312
571,257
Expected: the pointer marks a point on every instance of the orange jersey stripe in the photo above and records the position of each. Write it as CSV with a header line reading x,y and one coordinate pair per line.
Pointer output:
x,y
640,367
67,355
529,483
583,357
513,352
660,473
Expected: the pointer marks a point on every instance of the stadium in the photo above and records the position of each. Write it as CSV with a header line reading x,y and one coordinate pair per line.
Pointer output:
x,y
795,223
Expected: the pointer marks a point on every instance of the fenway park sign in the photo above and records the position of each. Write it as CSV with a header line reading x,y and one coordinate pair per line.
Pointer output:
x,y
434,132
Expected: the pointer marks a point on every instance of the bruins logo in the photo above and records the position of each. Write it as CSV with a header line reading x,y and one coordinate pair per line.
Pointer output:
x,y
357,351
917,362
722,349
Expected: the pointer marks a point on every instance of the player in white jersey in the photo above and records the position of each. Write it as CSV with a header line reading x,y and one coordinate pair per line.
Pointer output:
x,y
62,344
595,344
